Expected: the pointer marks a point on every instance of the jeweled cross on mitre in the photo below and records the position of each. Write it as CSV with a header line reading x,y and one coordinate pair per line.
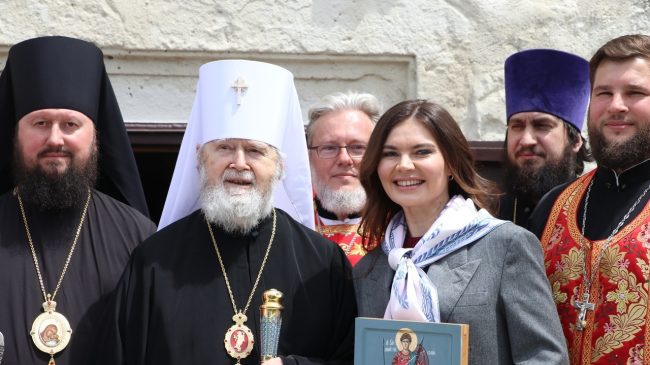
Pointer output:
x,y
240,87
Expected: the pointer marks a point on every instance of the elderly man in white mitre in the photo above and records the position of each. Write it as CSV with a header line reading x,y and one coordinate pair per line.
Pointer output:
x,y
201,277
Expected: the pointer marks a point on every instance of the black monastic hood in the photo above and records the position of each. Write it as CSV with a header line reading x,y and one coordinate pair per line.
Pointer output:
x,y
67,73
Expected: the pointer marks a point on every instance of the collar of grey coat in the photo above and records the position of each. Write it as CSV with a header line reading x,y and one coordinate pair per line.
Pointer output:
x,y
373,280
456,272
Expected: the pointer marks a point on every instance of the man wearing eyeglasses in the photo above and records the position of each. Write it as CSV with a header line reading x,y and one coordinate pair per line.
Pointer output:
x,y
337,136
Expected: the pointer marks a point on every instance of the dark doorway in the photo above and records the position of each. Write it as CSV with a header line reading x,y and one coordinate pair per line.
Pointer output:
x,y
489,157
156,169
156,147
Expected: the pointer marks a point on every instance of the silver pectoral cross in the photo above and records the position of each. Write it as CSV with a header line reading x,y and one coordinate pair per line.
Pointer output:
x,y
240,87
583,306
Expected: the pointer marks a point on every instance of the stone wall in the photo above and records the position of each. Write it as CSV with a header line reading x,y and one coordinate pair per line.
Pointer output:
x,y
448,51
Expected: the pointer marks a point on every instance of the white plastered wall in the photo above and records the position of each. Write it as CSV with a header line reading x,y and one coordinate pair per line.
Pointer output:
x,y
449,51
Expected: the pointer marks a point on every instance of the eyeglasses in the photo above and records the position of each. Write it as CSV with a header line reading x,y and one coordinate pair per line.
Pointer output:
x,y
331,151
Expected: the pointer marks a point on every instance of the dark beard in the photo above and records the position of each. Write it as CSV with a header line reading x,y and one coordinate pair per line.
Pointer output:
x,y
529,184
621,155
55,192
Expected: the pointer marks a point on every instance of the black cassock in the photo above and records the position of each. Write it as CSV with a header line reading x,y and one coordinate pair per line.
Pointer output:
x,y
507,209
111,231
173,306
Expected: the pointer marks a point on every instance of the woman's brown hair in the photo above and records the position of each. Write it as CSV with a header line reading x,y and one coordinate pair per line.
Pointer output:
x,y
455,150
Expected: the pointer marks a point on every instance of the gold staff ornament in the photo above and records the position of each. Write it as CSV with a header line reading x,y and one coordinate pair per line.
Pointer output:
x,y
271,323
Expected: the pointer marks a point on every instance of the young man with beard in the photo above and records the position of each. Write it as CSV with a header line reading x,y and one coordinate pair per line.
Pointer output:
x,y
192,291
337,135
64,239
547,93
595,231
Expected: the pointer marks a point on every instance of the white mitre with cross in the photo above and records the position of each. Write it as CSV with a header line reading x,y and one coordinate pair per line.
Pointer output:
x,y
247,100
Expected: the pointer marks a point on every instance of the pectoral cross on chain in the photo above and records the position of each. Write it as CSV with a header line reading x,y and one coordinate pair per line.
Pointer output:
x,y
240,87
584,306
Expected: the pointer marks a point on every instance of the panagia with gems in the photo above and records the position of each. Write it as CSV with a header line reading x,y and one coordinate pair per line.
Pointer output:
x,y
192,291
63,242
596,231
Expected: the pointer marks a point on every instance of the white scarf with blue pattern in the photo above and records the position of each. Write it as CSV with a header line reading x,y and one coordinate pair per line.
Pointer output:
x,y
413,296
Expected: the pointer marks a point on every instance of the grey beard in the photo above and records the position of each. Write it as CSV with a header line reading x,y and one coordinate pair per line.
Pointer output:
x,y
621,155
55,192
340,202
237,214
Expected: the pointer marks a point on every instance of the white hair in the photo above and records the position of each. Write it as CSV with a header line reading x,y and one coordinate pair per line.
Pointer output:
x,y
363,102
231,210
340,202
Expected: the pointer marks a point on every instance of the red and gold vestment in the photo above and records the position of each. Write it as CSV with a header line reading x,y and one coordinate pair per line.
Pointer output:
x,y
617,329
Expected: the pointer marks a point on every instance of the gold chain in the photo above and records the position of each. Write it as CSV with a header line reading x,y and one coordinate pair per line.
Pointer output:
x,y
514,213
259,275
48,297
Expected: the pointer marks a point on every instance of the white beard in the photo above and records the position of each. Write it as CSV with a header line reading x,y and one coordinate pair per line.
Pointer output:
x,y
341,202
236,210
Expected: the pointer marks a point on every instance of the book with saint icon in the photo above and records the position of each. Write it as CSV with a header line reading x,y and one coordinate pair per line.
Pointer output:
x,y
386,342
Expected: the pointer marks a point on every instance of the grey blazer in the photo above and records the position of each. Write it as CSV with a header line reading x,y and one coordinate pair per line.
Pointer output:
x,y
497,285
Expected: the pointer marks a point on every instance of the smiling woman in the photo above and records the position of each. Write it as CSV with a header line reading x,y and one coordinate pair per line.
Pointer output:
x,y
427,132
443,257
412,171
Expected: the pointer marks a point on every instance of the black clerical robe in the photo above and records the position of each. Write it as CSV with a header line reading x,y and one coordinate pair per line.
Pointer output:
x,y
111,231
611,197
515,210
173,306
